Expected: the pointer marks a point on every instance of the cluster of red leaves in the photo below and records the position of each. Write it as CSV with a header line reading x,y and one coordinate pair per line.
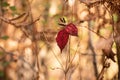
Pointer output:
x,y
63,35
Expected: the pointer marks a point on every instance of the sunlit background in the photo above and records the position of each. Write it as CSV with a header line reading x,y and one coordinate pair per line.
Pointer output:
x,y
31,52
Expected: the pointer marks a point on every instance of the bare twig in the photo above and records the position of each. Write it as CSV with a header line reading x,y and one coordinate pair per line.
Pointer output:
x,y
74,54
53,51
17,57
105,66
95,33
18,17
16,24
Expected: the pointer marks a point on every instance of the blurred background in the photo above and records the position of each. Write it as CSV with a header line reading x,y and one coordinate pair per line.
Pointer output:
x,y
28,48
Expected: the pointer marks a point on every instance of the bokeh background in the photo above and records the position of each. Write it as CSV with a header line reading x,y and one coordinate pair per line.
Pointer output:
x,y
28,49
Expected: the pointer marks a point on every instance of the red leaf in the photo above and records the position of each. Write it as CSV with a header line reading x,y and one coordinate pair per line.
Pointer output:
x,y
72,29
62,39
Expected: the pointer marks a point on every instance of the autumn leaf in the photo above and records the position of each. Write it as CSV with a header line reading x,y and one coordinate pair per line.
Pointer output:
x,y
63,35
62,39
109,54
71,29
106,46
107,49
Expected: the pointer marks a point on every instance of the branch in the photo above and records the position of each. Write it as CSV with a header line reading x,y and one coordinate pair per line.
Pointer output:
x,y
16,24
91,3
95,33
18,17
17,57
105,66
8,21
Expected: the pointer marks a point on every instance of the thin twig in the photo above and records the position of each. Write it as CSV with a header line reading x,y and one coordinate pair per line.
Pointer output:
x,y
18,57
95,33
53,51
16,24
18,17
74,54
105,65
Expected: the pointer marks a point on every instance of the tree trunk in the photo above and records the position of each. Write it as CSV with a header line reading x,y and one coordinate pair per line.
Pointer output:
x,y
117,32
